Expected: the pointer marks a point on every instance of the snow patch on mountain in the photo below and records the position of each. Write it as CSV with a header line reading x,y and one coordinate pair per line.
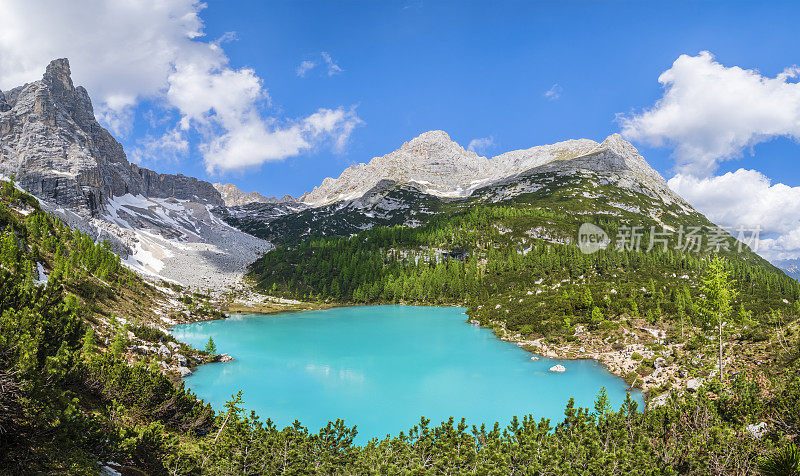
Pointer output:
x,y
177,240
182,241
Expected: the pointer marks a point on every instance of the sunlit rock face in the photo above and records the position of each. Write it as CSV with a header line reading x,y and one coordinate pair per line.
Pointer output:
x,y
439,166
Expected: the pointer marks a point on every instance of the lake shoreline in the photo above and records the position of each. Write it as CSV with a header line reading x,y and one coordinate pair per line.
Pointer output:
x,y
353,352
618,362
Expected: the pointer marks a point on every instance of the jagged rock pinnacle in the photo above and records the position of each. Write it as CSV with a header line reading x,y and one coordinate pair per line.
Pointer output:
x,y
58,72
58,151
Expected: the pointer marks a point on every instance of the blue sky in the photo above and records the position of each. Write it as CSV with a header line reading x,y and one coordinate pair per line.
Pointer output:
x,y
482,70
213,89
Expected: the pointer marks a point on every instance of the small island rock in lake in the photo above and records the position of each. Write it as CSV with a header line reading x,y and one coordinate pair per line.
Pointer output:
x,y
558,368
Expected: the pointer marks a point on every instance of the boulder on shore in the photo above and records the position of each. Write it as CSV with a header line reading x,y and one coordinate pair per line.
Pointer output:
x,y
558,368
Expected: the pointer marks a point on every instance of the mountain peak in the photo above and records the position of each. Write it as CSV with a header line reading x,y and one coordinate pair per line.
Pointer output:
x,y
432,136
618,144
233,196
436,143
58,151
58,68
440,166
58,76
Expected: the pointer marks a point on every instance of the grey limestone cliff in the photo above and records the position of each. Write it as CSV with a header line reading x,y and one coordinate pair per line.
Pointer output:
x,y
52,144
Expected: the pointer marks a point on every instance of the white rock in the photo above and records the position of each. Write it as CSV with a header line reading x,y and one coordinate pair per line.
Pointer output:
x,y
184,371
693,384
558,368
225,358
658,401
757,430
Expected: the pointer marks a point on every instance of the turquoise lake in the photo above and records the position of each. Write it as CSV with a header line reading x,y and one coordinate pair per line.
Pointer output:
x,y
382,367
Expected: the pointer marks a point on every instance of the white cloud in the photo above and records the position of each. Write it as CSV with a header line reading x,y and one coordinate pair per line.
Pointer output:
x,y
748,198
308,65
305,67
480,144
333,68
554,92
171,145
251,141
124,52
710,112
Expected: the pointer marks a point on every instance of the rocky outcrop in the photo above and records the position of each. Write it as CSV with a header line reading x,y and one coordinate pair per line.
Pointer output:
x,y
233,197
52,144
156,185
4,106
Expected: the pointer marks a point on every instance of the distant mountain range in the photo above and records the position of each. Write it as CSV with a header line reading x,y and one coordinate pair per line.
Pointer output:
x,y
169,226
789,266
432,173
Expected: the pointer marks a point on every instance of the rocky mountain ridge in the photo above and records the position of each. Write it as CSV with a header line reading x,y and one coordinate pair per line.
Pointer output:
x,y
431,174
439,166
232,196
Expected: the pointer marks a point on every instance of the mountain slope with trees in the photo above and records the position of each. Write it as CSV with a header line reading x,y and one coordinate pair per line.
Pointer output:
x,y
509,253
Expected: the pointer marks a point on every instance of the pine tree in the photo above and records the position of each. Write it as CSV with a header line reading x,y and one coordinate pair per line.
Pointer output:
x,y
119,343
9,252
719,292
211,348
681,309
88,342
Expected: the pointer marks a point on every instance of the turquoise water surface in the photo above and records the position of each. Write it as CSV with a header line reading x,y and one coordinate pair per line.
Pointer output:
x,y
382,367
